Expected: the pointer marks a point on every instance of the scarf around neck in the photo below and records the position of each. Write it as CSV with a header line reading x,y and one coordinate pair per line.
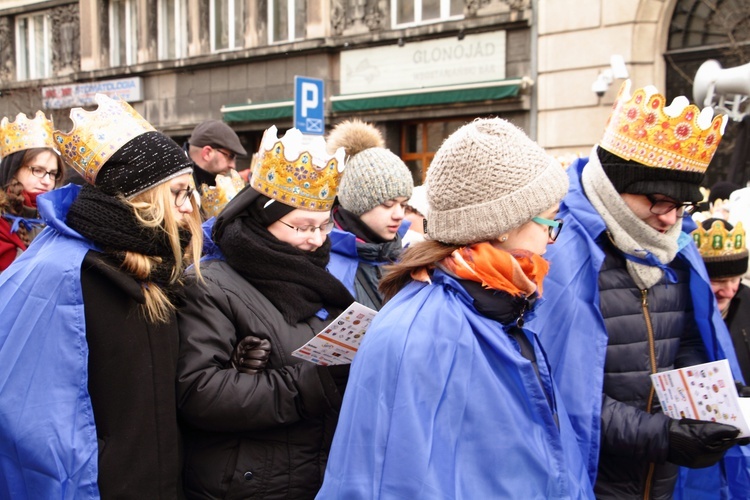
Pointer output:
x,y
112,225
519,273
647,251
296,282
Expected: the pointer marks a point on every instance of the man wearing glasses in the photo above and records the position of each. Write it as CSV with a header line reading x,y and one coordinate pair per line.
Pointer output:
x,y
214,147
627,296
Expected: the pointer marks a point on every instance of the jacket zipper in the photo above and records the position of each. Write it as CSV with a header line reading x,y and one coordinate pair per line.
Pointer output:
x,y
649,403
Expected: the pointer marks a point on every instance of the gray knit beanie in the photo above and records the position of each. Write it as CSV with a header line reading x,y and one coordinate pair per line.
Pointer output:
x,y
373,174
487,178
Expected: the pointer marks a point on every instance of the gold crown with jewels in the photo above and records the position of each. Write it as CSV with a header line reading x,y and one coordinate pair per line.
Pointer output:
x,y
680,136
718,241
23,134
297,170
98,134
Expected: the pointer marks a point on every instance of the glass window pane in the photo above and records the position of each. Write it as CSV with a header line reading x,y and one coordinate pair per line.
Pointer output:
x,y
457,7
221,26
404,11
40,59
430,9
239,23
131,40
170,28
300,18
280,24
23,48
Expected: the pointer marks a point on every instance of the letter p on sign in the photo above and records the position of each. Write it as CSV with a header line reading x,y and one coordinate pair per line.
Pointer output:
x,y
309,108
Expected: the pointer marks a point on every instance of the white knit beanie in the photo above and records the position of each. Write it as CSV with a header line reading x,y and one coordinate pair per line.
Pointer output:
x,y
373,174
487,178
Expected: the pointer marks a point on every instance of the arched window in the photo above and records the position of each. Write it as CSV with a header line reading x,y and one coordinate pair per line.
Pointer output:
x,y
700,30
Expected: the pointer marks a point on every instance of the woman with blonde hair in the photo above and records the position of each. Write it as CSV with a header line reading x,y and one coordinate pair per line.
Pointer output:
x,y
88,335
449,395
30,166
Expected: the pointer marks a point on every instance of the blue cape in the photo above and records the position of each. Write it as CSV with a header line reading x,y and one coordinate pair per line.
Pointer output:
x,y
454,414
344,257
48,445
572,331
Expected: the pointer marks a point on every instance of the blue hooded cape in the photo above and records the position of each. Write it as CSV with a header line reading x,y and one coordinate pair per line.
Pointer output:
x,y
454,414
48,444
344,257
572,331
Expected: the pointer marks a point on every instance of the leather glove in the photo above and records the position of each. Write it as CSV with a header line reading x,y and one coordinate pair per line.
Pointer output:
x,y
251,354
697,444
743,391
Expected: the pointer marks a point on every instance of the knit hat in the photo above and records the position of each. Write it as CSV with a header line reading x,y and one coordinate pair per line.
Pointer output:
x,y
721,191
418,200
373,173
649,147
118,151
487,178
723,248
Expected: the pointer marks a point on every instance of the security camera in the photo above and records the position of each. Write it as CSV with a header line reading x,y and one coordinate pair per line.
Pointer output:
x,y
600,85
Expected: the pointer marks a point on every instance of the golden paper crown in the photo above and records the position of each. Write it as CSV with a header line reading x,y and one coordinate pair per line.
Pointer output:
x,y
98,134
678,137
718,241
25,134
297,171
215,198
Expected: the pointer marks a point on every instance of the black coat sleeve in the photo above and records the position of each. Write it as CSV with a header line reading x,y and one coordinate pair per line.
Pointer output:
x,y
214,396
633,433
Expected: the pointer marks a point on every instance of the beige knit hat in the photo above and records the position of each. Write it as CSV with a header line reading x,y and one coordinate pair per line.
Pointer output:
x,y
488,177
373,174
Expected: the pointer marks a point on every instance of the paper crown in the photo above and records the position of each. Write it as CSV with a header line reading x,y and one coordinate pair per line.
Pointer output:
x,y
25,134
215,198
718,241
98,134
678,137
297,171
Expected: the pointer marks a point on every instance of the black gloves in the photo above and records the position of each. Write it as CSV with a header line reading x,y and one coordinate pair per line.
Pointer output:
x,y
251,354
697,444
743,391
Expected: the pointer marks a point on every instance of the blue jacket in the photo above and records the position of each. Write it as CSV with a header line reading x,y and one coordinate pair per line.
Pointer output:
x,y
441,404
572,330
43,366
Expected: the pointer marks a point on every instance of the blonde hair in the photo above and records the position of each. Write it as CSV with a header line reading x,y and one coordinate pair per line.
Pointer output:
x,y
153,209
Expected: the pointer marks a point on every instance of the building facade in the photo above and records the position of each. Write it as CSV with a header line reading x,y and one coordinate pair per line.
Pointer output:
x,y
419,69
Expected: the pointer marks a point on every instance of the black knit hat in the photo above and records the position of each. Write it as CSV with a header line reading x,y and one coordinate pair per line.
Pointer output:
x,y
721,191
722,247
145,161
631,177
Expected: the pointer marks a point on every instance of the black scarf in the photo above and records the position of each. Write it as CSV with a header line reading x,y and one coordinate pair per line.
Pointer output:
x,y
112,224
352,223
296,282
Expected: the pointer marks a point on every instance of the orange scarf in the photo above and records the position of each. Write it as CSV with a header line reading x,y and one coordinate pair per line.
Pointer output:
x,y
518,273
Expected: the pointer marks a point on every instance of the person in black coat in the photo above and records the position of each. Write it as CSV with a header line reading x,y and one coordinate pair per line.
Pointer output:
x,y
263,432
724,251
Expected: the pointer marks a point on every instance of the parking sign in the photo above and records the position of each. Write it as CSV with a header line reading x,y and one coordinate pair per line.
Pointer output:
x,y
309,112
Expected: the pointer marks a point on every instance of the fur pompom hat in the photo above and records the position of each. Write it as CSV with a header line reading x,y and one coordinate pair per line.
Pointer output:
x,y
487,178
373,173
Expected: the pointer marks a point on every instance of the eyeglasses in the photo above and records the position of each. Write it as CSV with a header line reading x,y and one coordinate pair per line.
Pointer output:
x,y
324,229
555,226
182,195
41,172
229,155
662,206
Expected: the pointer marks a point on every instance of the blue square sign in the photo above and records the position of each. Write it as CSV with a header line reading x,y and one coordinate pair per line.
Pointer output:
x,y
309,111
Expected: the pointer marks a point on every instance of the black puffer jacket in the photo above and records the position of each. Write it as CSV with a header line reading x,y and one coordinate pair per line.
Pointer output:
x,y
648,331
738,321
250,436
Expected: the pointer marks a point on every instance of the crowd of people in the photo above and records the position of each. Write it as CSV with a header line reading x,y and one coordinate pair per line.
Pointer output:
x,y
149,313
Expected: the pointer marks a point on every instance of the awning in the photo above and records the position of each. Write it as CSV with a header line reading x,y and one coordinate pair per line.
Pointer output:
x,y
267,111
469,92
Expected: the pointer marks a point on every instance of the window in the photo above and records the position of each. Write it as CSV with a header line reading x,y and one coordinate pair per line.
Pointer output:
x,y
227,24
425,11
172,29
123,33
33,59
286,19
420,141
